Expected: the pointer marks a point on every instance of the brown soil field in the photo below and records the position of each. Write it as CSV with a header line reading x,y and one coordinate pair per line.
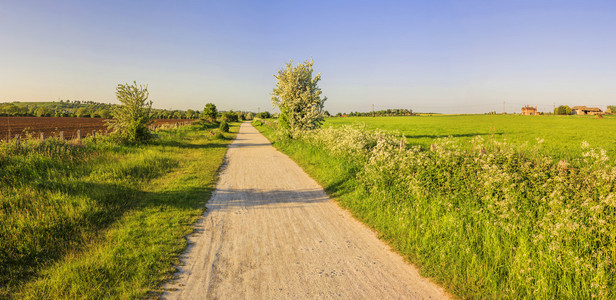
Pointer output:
x,y
52,126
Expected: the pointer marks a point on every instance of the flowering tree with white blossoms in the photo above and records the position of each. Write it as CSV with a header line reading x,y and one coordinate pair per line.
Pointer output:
x,y
298,97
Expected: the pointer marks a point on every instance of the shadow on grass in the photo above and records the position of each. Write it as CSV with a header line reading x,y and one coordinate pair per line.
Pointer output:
x,y
66,233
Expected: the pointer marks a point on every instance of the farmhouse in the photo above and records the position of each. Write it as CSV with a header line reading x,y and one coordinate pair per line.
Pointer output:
x,y
583,110
529,110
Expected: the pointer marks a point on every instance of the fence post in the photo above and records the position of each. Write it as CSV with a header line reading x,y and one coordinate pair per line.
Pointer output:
x,y
17,140
62,136
79,136
42,136
93,135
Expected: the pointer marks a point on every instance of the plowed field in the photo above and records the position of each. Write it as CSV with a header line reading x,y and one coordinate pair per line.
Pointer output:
x,y
52,126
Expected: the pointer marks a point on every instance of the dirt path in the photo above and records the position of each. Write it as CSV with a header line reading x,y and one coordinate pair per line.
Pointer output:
x,y
271,232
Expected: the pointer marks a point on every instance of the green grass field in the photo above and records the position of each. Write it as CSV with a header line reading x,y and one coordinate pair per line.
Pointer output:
x,y
562,135
102,220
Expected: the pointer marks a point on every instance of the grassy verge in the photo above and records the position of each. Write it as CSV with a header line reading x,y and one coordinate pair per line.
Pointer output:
x,y
485,219
102,220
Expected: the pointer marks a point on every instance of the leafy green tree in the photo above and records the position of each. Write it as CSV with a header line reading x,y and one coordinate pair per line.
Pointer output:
x,y
178,115
230,116
164,114
562,110
210,112
298,97
611,109
10,109
132,117
190,114
240,116
102,113
42,112
82,112
250,116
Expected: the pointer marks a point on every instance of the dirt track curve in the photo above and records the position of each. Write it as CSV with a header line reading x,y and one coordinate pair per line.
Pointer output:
x,y
271,232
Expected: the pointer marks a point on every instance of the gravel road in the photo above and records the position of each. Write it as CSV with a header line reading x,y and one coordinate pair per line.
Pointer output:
x,y
271,232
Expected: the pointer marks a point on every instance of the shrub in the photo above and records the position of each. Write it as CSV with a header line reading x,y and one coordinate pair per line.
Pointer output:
x,y
224,126
132,118
257,122
230,116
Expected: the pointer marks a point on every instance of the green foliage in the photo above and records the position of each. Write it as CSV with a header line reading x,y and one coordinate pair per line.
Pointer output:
x,y
298,97
224,126
611,109
230,116
102,113
257,122
69,108
132,118
42,112
250,116
264,115
82,112
102,220
562,110
240,116
210,112
528,226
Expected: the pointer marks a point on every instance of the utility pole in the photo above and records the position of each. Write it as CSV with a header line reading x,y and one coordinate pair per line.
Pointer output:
x,y
373,110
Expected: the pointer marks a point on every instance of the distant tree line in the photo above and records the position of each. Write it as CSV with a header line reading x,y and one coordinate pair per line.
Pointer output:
x,y
379,113
82,109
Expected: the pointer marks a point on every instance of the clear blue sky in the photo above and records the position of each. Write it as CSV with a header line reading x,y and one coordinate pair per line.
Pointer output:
x,y
443,56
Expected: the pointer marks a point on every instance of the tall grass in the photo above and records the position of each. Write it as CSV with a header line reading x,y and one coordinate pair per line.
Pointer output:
x,y
485,218
102,219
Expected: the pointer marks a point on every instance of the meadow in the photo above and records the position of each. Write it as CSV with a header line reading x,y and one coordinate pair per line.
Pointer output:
x,y
562,135
102,219
514,215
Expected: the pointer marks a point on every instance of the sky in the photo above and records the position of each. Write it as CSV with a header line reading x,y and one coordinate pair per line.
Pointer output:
x,y
429,56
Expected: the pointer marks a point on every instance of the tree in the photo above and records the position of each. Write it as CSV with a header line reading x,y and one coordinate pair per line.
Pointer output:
x,y
132,117
230,116
190,114
562,110
250,116
611,109
103,113
82,112
210,112
298,97
41,112
264,115
178,115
